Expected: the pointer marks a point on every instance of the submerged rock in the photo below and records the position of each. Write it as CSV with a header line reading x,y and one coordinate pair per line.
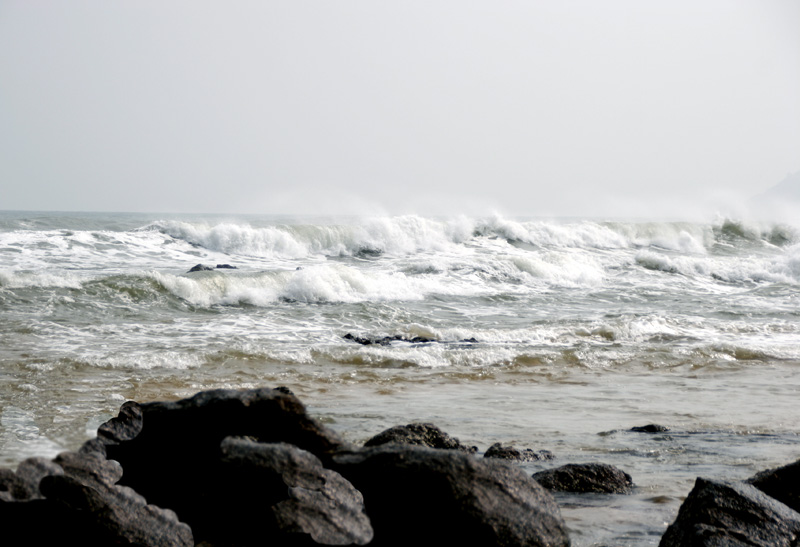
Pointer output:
x,y
204,268
387,340
419,434
586,477
726,513
650,428
501,452
421,496
782,483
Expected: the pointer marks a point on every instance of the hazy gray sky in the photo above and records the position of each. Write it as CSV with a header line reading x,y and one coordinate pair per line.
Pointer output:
x,y
573,107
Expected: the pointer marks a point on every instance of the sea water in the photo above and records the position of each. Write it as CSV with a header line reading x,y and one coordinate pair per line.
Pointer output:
x,y
550,335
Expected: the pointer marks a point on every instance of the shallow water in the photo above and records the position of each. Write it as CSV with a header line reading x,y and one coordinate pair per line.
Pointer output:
x,y
548,335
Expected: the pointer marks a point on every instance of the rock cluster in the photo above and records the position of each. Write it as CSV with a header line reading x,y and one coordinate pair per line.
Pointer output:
x,y
229,467
250,467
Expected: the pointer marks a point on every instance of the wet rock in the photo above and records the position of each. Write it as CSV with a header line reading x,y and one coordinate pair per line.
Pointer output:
x,y
510,453
23,485
386,340
174,459
419,434
204,268
726,513
75,501
587,477
422,496
114,515
650,428
293,499
782,483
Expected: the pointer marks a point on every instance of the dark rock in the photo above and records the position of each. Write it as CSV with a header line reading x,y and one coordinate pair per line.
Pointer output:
x,y
89,467
200,268
650,428
501,452
586,477
114,515
24,484
782,483
387,340
718,513
125,427
306,501
73,500
226,267
174,459
422,496
421,435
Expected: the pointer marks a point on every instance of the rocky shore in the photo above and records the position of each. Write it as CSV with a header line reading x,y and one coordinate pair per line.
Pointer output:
x,y
250,467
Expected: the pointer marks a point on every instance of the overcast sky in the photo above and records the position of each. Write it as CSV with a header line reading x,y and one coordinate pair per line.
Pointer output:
x,y
613,107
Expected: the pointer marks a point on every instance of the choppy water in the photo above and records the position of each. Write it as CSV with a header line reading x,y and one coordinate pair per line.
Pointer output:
x,y
548,335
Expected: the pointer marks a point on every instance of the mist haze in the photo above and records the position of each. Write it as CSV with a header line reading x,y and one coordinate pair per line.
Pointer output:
x,y
578,108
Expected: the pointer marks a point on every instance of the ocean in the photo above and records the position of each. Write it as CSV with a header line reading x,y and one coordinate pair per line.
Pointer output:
x,y
556,335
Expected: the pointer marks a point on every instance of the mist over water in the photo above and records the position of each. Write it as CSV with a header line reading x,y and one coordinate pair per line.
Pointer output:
x,y
549,334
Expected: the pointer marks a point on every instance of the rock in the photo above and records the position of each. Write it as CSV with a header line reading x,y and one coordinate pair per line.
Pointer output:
x,y
650,428
75,501
587,477
304,499
115,515
204,268
427,497
420,434
726,513
387,340
174,459
501,452
782,483
24,484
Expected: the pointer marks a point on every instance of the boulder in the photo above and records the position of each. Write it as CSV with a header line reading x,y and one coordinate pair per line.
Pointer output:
x,y
782,483
282,492
419,434
586,477
171,451
498,451
718,513
427,497
75,501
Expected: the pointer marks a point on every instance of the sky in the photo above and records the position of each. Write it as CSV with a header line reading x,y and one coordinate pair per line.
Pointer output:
x,y
562,108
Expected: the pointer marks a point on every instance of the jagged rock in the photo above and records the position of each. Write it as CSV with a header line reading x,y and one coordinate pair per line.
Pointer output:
x,y
387,340
586,477
200,268
304,499
226,267
24,484
427,497
650,428
782,483
718,513
174,458
76,502
420,434
498,451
